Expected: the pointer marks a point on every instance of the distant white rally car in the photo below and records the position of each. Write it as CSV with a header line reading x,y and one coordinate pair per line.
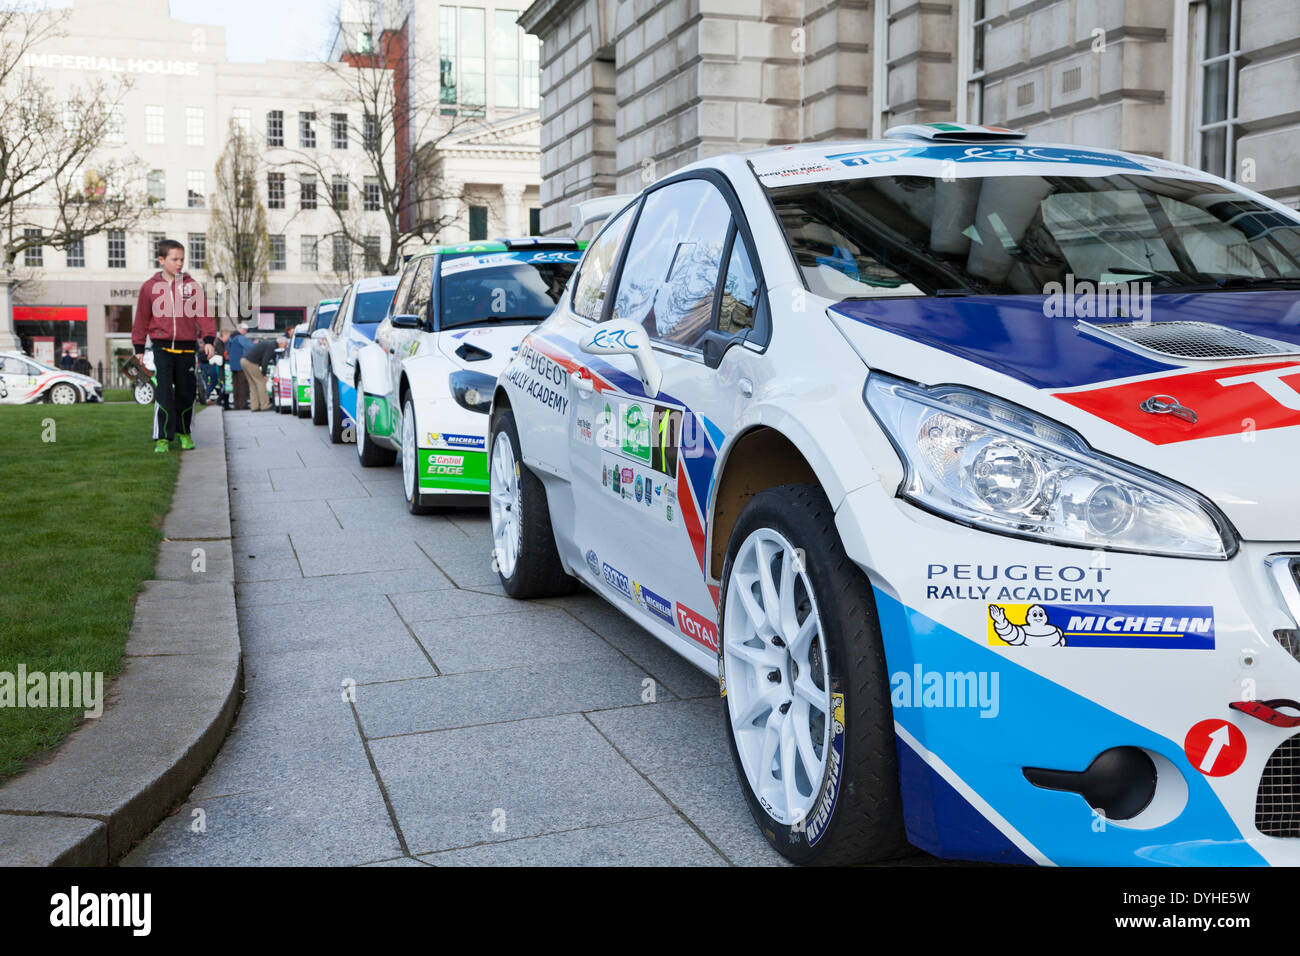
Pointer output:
x,y
24,380
457,319
968,465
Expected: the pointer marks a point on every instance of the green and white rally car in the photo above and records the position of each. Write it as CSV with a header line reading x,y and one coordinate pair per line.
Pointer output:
x,y
424,385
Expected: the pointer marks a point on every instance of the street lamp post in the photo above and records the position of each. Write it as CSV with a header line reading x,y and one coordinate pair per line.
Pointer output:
x,y
8,338
220,279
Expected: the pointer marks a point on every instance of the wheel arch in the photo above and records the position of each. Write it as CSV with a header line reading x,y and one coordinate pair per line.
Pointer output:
x,y
759,458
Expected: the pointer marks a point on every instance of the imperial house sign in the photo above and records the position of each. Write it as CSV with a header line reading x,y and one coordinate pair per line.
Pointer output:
x,y
110,64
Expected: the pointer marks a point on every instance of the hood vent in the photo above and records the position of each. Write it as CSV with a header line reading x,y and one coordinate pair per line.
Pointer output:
x,y
472,353
1188,341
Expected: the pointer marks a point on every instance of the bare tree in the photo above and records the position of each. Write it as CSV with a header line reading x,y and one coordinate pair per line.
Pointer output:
x,y
238,243
393,125
60,181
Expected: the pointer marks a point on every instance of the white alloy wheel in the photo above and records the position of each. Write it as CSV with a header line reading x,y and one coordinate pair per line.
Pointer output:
x,y
778,686
63,394
410,455
504,504
359,423
144,394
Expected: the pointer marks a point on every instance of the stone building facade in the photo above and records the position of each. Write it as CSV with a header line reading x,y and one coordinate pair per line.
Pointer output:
x,y
633,89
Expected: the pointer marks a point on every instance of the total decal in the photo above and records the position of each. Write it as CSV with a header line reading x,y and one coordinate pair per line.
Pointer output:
x,y
540,378
825,808
698,628
1166,627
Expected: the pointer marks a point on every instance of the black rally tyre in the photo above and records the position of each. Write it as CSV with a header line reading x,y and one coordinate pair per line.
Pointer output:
x,y
535,571
856,813
333,412
318,412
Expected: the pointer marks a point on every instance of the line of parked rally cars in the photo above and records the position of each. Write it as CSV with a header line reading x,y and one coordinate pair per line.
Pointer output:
x,y
982,564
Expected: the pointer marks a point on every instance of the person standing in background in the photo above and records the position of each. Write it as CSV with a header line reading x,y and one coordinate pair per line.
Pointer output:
x,y
235,349
171,312
256,360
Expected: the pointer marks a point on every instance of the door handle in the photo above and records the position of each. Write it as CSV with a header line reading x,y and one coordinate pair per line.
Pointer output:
x,y
746,387
582,381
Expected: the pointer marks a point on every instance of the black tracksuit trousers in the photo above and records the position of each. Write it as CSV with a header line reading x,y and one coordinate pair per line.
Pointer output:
x,y
173,398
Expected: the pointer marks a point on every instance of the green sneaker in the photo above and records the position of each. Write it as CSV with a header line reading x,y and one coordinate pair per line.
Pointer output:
x,y
160,445
187,443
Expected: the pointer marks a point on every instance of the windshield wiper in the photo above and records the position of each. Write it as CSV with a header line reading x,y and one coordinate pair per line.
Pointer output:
x,y
1230,283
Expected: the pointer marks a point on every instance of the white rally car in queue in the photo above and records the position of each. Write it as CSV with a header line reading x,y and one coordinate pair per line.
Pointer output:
x,y
24,380
426,381
334,350
967,464
292,375
307,402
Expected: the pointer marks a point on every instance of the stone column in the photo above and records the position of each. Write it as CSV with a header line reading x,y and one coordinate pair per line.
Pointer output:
x,y
8,337
513,194
453,207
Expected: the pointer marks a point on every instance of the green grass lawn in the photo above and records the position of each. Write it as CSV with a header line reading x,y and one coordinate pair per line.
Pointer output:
x,y
119,395
81,524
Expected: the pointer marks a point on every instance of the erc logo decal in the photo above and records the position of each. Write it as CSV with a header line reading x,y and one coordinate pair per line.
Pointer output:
x,y
1189,627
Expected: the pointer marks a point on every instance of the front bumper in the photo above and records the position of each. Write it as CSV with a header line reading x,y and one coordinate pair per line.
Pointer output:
x,y
1136,651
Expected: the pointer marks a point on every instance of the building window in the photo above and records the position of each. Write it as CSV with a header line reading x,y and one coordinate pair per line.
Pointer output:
x,y
447,54
477,223
157,187
1220,55
340,253
473,60
195,191
198,251
115,128
277,253
372,253
309,260
152,251
339,192
371,201
275,128
364,42
243,118
275,190
33,255
307,130
307,191
530,95
75,251
193,126
534,221
339,130
153,125
505,58
970,60
370,132
116,249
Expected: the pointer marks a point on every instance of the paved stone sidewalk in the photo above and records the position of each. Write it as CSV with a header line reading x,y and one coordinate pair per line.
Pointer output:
x,y
483,731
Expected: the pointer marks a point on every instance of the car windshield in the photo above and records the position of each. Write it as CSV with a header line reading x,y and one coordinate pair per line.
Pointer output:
x,y
521,286
999,235
324,316
371,307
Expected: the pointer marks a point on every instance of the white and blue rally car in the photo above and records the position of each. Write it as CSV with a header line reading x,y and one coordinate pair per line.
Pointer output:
x,y
968,465
334,350
426,381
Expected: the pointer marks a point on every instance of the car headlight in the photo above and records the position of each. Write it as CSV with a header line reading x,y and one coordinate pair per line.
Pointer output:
x,y
473,390
993,465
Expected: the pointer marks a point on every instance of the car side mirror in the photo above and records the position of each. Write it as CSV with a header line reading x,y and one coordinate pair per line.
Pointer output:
x,y
407,321
625,337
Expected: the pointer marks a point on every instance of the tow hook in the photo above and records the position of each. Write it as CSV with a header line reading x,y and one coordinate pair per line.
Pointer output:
x,y
1267,711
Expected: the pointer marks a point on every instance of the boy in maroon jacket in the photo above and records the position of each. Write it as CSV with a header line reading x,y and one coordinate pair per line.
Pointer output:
x,y
171,312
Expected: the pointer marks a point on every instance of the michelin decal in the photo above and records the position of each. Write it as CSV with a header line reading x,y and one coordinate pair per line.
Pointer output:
x,y
1155,626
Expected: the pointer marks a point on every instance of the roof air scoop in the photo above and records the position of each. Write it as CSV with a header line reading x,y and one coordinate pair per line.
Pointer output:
x,y
1187,341
954,133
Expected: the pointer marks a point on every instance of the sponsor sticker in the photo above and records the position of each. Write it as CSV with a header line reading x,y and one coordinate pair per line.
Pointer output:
x,y
698,628
636,433
453,471
660,607
1164,626
593,562
456,441
616,579
821,815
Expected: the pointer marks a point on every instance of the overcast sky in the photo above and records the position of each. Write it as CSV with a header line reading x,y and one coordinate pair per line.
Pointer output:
x,y
256,30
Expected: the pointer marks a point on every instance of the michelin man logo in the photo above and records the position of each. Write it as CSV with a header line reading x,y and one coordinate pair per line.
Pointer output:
x,y
1037,631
